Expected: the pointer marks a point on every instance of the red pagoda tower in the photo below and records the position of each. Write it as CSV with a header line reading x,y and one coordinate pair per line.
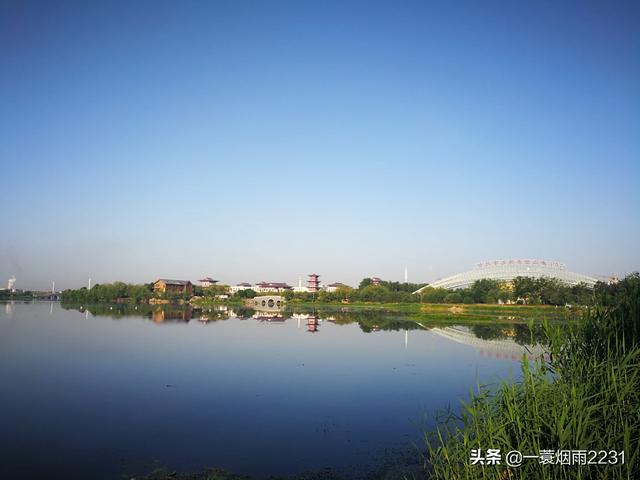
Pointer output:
x,y
313,284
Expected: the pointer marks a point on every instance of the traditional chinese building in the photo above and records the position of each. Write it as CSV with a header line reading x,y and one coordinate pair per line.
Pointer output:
x,y
241,286
266,287
313,284
207,282
333,287
164,285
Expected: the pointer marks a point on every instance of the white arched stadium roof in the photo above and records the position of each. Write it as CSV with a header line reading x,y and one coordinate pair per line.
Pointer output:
x,y
507,270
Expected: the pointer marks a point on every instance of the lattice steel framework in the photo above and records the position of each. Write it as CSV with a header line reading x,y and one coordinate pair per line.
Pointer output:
x,y
507,270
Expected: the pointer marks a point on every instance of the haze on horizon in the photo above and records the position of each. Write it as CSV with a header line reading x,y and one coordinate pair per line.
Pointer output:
x,y
267,140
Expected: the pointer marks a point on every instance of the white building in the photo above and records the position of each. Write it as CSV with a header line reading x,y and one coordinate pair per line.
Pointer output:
x,y
333,287
241,286
271,287
300,288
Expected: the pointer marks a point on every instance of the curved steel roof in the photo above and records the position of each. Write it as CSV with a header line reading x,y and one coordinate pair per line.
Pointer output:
x,y
507,270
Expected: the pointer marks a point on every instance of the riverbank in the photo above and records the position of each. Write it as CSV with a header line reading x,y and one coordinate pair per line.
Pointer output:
x,y
420,313
585,397
442,312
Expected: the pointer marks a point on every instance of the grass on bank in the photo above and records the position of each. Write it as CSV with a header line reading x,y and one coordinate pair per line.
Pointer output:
x,y
585,397
460,313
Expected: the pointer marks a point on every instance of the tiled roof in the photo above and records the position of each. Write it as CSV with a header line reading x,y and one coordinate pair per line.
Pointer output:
x,y
273,285
172,282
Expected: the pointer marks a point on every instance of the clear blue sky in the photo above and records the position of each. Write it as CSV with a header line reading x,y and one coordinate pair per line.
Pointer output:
x,y
265,140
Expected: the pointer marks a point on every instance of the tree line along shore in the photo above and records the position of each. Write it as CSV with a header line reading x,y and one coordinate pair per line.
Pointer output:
x,y
522,290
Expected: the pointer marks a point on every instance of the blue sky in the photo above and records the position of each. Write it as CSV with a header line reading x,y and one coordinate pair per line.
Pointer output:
x,y
265,140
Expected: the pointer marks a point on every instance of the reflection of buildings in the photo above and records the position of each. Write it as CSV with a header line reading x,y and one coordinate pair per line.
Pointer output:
x,y
163,315
217,312
312,323
268,317
164,285
269,308
497,348
299,317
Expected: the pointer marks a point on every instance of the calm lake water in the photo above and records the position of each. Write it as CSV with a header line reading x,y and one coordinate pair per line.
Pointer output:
x,y
110,393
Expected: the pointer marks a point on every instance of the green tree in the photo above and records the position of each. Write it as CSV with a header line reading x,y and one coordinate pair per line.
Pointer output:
x,y
247,293
453,297
433,295
373,293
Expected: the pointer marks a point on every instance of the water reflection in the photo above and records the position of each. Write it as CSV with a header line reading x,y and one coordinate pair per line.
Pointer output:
x,y
167,315
268,316
501,339
230,386
501,343
8,308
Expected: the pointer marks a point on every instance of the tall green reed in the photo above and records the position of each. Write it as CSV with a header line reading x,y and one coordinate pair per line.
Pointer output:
x,y
584,396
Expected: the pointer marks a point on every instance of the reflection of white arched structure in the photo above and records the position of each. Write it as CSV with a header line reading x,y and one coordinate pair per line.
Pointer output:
x,y
507,270
496,348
